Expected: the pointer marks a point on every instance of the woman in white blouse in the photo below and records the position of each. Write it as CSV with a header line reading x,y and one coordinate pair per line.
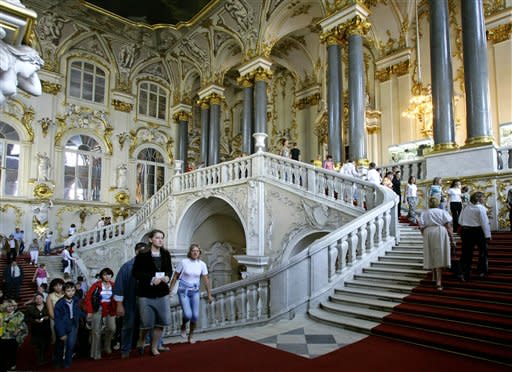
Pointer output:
x,y
436,228
455,202
189,272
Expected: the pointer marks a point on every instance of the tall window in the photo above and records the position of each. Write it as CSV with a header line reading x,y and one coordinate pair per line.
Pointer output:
x,y
152,100
9,160
87,82
150,174
82,168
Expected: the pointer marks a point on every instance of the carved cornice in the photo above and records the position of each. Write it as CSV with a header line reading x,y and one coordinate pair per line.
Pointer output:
x,y
311,100
500,33
51,88
398,69
122,106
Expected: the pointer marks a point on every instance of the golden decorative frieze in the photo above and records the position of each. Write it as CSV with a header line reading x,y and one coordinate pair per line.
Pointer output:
x,y
500,33
383,74
43,191
122,106
46,123
51,88
26,120
122,197
493,6
311,100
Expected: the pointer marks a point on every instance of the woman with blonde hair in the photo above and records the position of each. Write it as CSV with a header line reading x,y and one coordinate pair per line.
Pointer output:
x,y
189,272
14,330
436,228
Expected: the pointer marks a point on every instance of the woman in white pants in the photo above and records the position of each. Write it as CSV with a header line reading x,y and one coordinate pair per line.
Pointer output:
x,y
34,252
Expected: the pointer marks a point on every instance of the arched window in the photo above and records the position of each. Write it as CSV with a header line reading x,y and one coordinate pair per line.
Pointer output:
x,y
9,160
152,101
82,168
87,82
150,174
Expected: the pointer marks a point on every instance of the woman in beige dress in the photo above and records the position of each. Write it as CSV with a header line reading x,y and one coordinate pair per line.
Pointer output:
x,y
436,227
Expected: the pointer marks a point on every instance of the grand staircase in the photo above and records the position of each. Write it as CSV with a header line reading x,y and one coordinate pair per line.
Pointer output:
x,y
395,298
362,303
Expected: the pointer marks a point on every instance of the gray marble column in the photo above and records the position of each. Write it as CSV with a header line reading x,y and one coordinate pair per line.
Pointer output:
x,y
205,130
357,141
441,71
183,141
247,122
334,101
260,104
476,76
214,142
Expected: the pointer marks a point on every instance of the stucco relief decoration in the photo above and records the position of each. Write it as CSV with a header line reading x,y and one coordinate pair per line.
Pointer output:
x,y
5,208
127,55
46,124
50,27
316,215
122,138
156,69
19,65
154,136
244,17
503,189
91,45
86,118
190,49
40,218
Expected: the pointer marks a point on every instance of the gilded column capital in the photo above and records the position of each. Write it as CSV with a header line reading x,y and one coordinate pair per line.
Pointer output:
x,y
214,99
331,37
204,103
261,74
245,81
181,116
355,26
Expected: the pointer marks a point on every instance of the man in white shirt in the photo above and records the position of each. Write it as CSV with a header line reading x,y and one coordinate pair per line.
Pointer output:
x,y
373,175
476,230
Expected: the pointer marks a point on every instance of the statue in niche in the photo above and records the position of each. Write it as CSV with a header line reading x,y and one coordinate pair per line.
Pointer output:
x,y
43,167
121,177
18,68
127,55
51,26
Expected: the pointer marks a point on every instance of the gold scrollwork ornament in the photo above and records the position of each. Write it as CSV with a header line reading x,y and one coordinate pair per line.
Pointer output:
x,y
43,191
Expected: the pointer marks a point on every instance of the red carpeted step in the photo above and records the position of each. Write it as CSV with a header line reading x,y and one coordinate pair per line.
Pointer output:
x,y
458,344
466,293
452,327
498,321
485,286
453,303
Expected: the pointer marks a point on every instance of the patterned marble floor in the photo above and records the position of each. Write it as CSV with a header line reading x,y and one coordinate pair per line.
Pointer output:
x,y
300,336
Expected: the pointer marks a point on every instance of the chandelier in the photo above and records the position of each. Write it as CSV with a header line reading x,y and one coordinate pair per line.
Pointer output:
x,y
420,103
420,108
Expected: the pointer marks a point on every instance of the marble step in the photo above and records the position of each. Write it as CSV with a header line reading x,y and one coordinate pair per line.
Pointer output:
x,y
354,311
390,257
354,324
374,294
402,288
384,277
397,264
396,271
406,251
368,303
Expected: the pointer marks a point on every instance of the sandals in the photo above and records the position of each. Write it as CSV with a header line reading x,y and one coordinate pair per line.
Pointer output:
x,y
439,287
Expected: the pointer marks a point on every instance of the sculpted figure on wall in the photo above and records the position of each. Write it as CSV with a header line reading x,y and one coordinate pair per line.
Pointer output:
x,y
127,55
121,177
50,27
18,68
43,167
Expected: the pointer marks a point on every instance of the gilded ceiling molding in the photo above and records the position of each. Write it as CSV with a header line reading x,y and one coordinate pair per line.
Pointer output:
x,y
86,118
122,106
500,33
51,88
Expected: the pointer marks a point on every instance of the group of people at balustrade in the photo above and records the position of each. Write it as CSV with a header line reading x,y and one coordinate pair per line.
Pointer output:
x,y
69,318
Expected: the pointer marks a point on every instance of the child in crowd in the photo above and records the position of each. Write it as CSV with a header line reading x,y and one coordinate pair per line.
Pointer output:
x,y
67,316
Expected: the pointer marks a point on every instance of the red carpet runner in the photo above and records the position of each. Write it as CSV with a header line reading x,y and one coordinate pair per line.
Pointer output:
x,y
473,318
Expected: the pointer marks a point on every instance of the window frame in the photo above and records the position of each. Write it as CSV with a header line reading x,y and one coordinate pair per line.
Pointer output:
x,y
98,78
161,92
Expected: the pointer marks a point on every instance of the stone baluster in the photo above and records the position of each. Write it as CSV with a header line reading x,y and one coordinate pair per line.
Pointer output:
x,y
252,301
362,234
241,307
219,309
353,240
334,253
387,223
263,296
370,242
230,307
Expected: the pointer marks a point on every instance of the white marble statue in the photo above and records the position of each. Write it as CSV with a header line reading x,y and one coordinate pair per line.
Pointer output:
x,y
121,177
127,55
18,68
43,167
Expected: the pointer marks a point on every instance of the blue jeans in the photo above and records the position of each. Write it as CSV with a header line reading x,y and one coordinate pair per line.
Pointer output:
x,y
47,246
69,345
128,328
188,294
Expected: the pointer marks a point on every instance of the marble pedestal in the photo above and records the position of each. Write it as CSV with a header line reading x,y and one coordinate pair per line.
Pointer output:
x,y
462,162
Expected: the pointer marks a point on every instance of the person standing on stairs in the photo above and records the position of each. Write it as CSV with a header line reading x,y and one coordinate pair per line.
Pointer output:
x,y
476,230
436,228
189,272
13,277
153,269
